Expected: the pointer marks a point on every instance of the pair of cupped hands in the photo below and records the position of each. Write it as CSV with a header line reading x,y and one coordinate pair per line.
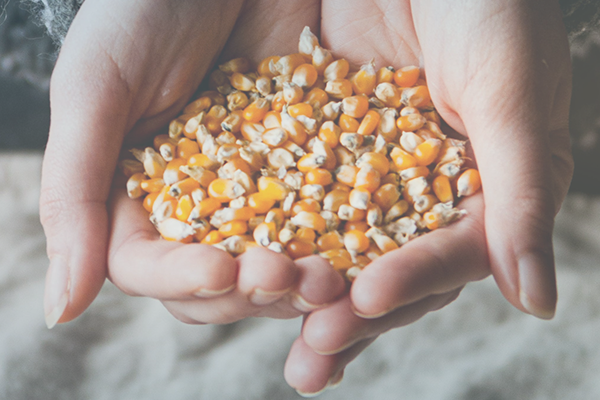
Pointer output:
x,y
498,73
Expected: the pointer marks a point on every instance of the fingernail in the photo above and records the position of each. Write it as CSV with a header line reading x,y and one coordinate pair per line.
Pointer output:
x,y
56,296
209,293
371,316
301,304
260,297
537,287
332,383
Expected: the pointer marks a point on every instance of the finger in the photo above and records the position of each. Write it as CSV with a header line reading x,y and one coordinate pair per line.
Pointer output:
x,y
318,285
142,264
336,328
311,373
439,262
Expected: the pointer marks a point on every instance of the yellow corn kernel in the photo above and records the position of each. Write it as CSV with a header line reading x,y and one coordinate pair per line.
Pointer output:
x,y
298,109
316,192
265,233
134,185
383,242
355,107
213,237
166,146
306,235
316,97
468,183
300,248
272,188
338,88
237,163
410,141
388,94
309,162
184,208
321,58
346,174
343,156
312,220
385,74
337,70
294,128
241,81
359,198
272,119
417,97
149,201
406,76
235,227
151,185
387,125
274,137
154,165
374,215
203,161
214,117
427,152
396,211
356,241
424,202
278,102
414,172
183,187
237,101
205,208
174,230
310,205
318,176
305,75
130,167
225,190
240,65
369,123
362,226
351,141
341,263
186,148
172,172
260,202
376,160
365,79
252,131
367,178
348,213
256,110
442,189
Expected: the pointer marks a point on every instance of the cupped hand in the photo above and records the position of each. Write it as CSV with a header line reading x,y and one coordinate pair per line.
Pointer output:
x,y
498,73
125,70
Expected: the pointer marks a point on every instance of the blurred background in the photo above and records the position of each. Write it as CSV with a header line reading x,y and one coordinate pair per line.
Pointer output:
x,y
27,57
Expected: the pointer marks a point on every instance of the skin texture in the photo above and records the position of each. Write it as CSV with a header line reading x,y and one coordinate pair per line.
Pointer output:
x,y
498,72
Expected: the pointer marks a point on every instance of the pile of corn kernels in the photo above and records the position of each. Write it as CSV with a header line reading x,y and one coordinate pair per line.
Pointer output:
x,y
303,157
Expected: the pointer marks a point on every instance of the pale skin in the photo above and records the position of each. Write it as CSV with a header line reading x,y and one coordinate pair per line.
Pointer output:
x,y
499,73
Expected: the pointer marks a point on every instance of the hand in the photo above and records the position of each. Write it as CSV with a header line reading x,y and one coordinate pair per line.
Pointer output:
x,y
125,70
499,73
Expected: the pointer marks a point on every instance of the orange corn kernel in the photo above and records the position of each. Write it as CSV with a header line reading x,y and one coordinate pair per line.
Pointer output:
x,y
260,203
402,159
203,161
365,79
369,123
468,183
386,196
427,152
309,162
306,235
355,106
346,174
205,208
300,248
385,74
186,148
197,106
414,172
375,160
348,123
292,93
417,96
359,198
330,133
356,225
356,241
305,75
406,76
241,81
312,220
151,185
184,187
134,185
213,237
341,263
237,101
272,119
348,213
316,97
318,176
149,201
310,205
225,190
267,66
387,125
388,94
334,199
411,122
298,109
339,88
233,122
330,241
367,178
256,110
337,70
287,64
278,101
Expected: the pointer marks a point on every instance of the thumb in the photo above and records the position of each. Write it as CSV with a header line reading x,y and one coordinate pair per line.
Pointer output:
x,y
513,145
87,124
